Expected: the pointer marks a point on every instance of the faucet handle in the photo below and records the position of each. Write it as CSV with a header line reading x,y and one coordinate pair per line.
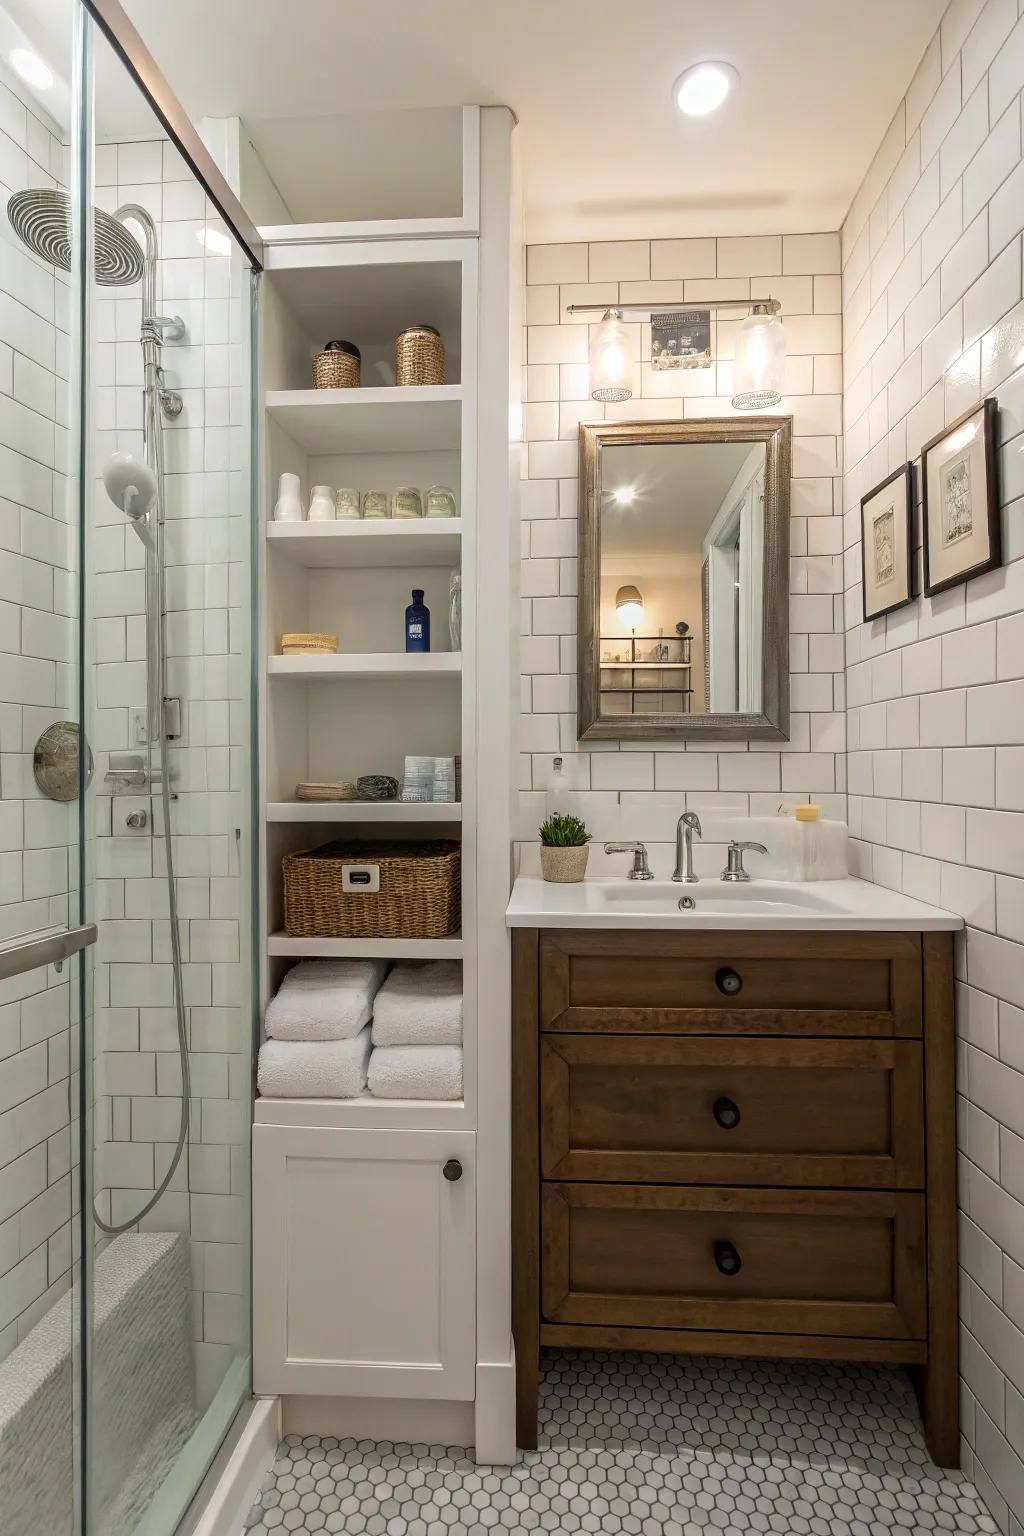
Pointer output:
x,y
734,866
641,870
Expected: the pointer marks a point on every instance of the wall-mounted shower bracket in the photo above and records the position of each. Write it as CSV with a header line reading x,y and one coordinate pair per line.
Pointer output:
x,y
172,723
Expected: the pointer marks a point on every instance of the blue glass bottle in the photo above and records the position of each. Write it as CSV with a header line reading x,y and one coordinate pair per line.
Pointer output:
x,y
417,623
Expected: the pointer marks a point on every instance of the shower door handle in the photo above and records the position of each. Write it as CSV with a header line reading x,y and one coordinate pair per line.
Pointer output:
x,y
47,948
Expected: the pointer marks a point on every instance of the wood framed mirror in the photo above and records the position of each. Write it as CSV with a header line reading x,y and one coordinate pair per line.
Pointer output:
x,y
684,579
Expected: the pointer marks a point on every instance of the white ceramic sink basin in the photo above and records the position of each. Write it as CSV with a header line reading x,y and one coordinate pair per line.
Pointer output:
x,y
756,897
851,905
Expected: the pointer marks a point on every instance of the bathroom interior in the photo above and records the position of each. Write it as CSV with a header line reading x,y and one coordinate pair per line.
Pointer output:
x,y
511,768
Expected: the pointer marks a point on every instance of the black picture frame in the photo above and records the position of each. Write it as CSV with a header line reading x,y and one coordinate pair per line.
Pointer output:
x,y
905,473
993,560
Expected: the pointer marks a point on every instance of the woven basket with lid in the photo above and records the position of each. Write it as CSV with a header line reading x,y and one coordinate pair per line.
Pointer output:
x,y
337,366
419,356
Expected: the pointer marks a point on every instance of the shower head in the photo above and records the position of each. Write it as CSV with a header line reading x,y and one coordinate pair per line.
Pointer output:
x,y
132,487
41,218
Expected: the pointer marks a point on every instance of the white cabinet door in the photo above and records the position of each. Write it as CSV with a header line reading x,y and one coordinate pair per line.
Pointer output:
x,y
363,1263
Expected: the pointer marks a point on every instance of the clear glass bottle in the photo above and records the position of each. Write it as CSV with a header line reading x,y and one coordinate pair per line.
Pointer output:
x,y
455,610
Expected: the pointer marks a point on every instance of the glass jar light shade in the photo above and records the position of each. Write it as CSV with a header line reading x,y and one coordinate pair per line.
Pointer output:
x,y
757,373
629,606
611,371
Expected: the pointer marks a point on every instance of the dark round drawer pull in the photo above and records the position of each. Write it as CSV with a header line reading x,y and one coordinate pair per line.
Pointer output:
x,y
727,1260
726,1113
452,1170
728,981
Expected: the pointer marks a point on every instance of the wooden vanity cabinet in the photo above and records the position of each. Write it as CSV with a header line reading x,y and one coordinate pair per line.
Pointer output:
x,y
740,1144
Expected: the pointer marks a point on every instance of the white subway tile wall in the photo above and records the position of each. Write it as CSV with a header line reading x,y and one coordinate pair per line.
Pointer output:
x,y
206,461
934,321
38,1052
639,790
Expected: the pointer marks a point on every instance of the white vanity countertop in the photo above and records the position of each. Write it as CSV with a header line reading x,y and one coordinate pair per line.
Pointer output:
x,y
852,906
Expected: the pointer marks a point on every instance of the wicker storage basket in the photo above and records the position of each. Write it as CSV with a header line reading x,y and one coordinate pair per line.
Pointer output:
x,y
419,356
337,366
419,896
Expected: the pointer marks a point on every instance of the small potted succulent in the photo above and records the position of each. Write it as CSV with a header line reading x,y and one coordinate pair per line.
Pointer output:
x,y
564,849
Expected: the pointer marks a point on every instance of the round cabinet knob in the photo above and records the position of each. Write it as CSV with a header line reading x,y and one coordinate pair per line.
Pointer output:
x,y
728,981
727,1260
452,1170
726,1113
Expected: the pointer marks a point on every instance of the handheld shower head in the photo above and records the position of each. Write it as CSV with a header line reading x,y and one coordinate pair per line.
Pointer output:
x,y
132,487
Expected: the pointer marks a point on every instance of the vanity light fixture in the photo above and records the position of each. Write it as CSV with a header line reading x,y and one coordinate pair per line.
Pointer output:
x,y
31,68
611,372
758,370
702,88
629,606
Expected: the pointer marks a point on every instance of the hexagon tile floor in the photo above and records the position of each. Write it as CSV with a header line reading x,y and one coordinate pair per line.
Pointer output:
x,y
652,1445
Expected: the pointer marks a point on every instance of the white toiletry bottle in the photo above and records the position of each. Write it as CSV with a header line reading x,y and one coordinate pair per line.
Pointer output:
x,y
809,857
556,798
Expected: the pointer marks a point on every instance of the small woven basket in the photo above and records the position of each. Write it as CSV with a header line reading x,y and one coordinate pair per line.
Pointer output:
x,y
419,356
419,895
337,366
325,793
309,645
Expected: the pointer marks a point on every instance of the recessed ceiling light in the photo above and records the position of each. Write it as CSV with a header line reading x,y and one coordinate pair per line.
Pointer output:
x,y
703,87
624,496
31,68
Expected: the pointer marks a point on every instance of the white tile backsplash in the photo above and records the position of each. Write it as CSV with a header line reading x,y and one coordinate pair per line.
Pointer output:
x,y
932,310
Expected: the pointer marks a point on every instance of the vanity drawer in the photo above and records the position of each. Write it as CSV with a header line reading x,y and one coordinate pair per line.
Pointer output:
x,y
839,1264
628,982
703,1110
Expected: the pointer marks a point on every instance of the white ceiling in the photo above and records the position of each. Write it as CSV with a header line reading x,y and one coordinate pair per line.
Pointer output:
x,y
605,153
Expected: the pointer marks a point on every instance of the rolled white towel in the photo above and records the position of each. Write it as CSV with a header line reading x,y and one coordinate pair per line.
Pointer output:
x,y
314,1069
416,1072
325,1000
420,1004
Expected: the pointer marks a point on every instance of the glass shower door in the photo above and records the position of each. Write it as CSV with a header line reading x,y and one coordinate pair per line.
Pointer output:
x,y
44,937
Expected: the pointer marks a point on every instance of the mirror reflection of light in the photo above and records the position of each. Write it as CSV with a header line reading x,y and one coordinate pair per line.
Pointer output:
x,y
31,68
624,495
629,606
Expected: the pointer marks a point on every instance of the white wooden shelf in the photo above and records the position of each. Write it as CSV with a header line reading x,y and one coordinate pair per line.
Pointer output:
x,y
413,542
366,949
396,420
377,664
364,810
366,1111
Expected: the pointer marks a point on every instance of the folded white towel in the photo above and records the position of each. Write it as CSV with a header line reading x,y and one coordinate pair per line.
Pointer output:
x,y
420,1004
314,1069
325,1000
416,1072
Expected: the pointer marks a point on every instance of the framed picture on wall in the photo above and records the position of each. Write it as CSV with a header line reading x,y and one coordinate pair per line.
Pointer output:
x,y
886,520
961,500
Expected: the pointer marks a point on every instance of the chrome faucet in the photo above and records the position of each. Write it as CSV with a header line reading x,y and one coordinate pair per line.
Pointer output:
x,y
734,867
641,870
686,826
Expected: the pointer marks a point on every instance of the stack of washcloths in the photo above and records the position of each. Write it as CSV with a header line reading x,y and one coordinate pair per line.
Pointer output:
x,y
417,1033
318,1030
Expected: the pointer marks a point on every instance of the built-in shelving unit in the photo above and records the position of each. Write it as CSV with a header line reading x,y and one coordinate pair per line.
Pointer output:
x,y
327,718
